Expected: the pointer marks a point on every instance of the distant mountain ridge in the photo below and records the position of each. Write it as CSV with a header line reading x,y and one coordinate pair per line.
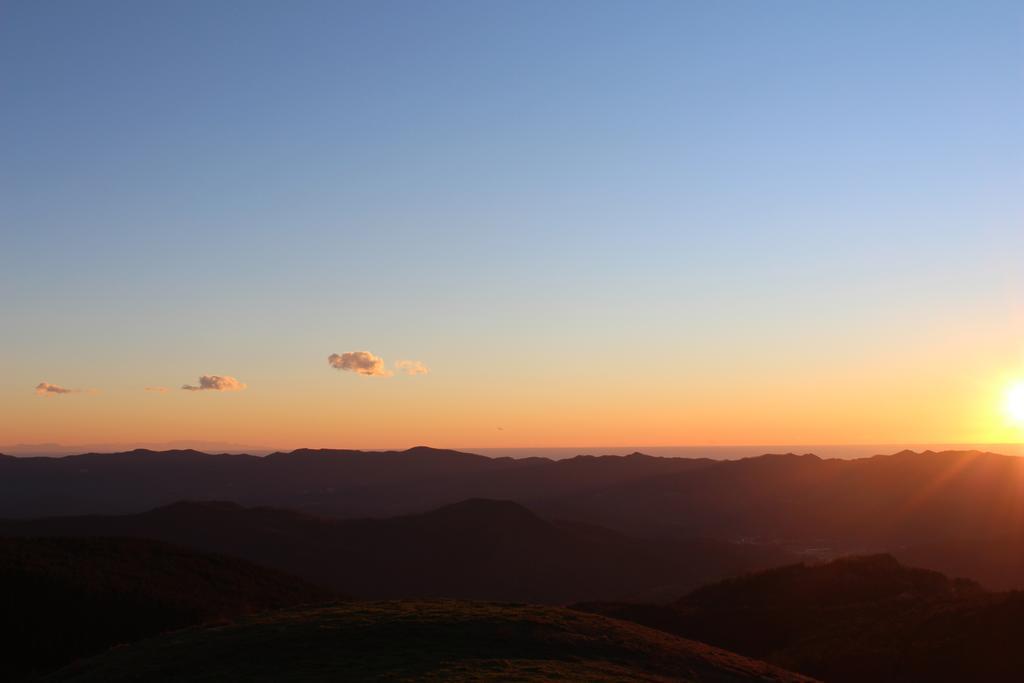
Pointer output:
x,y
340,483
60,450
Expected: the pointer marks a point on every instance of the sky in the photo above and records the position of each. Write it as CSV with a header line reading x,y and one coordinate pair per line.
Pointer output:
x,y
510,224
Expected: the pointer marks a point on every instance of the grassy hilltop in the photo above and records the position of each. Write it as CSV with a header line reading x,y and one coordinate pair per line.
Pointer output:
x,y
431,640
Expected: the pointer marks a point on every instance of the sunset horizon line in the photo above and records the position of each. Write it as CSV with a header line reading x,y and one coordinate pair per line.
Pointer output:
x,y
213,447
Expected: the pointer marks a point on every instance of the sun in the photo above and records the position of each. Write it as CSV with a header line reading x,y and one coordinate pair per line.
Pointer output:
x,y
1015,403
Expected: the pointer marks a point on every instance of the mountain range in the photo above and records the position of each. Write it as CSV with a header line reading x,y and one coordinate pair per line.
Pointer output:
x,y
680,569
955,511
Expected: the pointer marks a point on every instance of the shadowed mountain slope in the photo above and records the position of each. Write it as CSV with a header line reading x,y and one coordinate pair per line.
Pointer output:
x,y
853,619
65,598
423,641
996,560
476,549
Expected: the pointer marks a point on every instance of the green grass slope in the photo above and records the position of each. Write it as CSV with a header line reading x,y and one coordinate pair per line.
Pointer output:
x,y
417,641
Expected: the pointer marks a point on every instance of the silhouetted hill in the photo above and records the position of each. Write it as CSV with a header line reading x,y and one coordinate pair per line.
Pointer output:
x,y
995,559
64,598
477,549
423,641
927,507
854,619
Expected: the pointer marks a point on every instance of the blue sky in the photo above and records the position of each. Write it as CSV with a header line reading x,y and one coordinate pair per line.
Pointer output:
x,y
665,199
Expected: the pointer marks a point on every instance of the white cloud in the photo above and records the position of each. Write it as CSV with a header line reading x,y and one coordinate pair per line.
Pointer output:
x,y
360,362
47,389
411,367
216,383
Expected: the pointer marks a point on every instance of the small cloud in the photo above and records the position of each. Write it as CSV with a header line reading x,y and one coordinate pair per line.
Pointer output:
x,y
158,390
360,362
47,389
216,383
411,367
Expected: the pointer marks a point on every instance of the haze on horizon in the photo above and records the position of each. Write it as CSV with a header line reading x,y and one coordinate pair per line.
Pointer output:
x,y
512,224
